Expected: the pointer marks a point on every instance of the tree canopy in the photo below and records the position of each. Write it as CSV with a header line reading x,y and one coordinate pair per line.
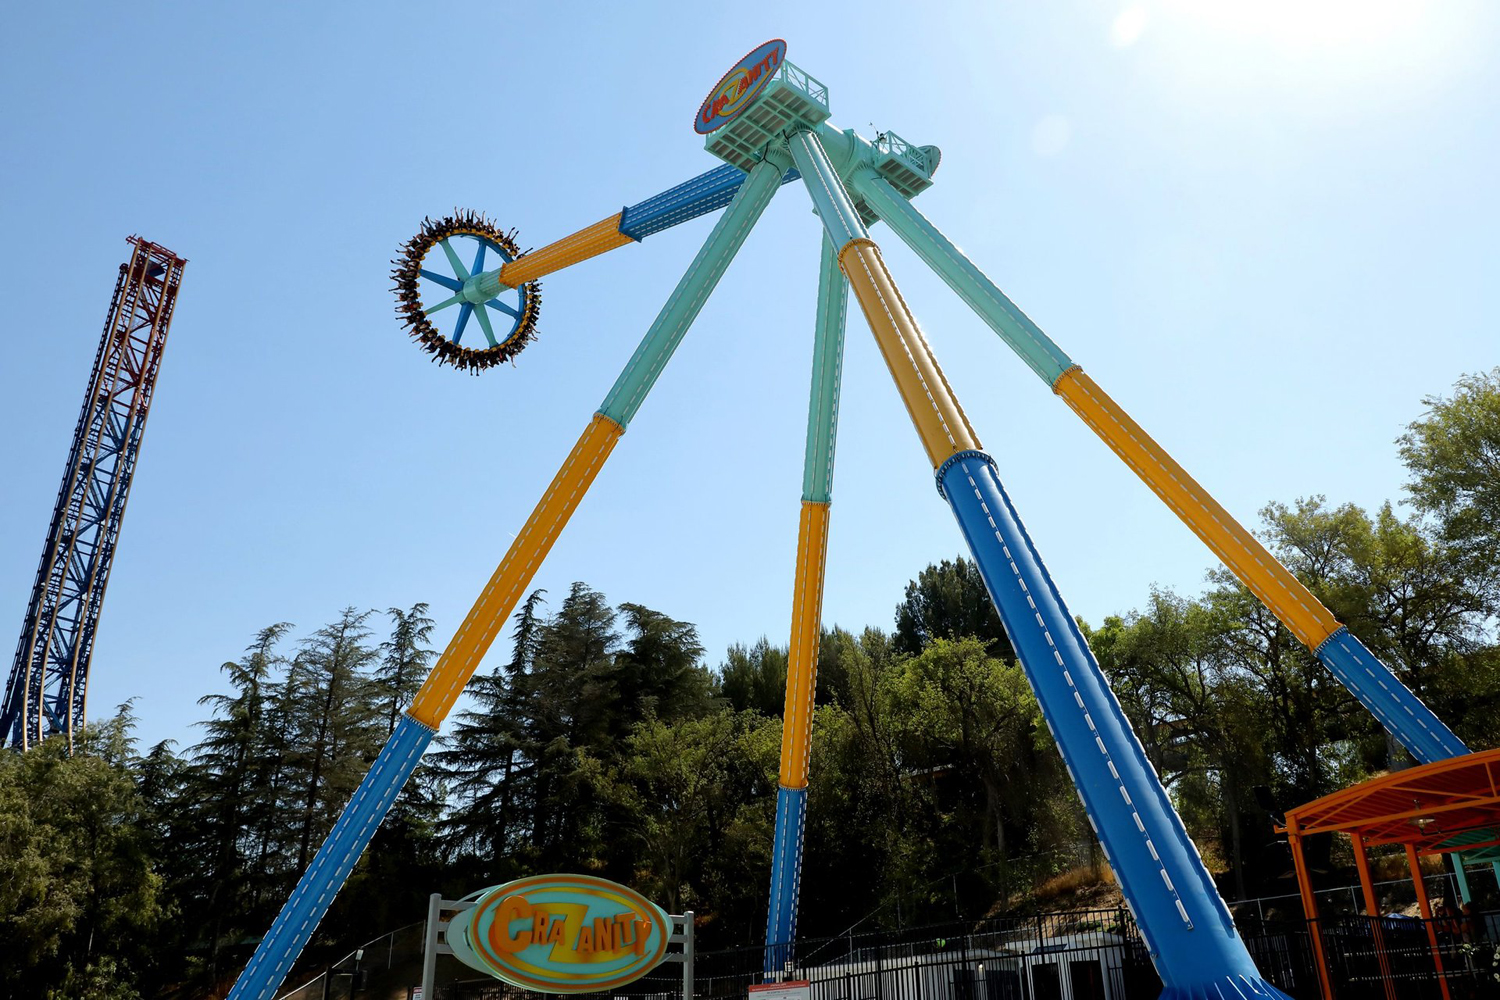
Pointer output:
x,y
606,743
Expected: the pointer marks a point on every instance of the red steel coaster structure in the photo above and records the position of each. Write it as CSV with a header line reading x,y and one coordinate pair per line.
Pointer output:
x,y
47,692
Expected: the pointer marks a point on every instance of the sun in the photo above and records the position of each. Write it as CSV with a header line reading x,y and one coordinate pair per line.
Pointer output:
x,y
1306,24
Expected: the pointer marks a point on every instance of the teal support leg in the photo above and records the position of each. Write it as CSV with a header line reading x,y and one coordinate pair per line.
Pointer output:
x,y
828,366
1460,876
351,834
817,493
964,277
750,200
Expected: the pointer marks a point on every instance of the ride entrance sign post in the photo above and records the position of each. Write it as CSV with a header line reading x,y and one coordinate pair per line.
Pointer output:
x,y
557,934
792,989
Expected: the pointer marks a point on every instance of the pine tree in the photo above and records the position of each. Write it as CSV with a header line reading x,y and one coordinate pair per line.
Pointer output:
x,y
659,672
486,759
222,786
405,659
338,715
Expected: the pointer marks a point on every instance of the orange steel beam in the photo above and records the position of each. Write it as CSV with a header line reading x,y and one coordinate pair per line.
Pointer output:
x,y
1372,908
1309,905
1241,551
940,420
1404,814
1426,909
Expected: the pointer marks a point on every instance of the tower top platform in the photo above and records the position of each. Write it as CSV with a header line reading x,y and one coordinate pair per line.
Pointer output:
x,y
792,99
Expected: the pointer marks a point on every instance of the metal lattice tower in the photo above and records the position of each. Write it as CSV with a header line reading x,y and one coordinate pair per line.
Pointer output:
x,y
47,691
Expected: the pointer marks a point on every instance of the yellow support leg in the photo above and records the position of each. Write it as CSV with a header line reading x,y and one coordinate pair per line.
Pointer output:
x,y
1245,556
495,604
940,421
807,634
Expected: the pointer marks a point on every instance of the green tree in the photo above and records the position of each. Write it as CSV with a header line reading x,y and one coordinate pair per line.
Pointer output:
x,y
948,600
224,801
404,661
337,718
1453,455
659,671
80,903
672,782
754,678
966,722
1401,587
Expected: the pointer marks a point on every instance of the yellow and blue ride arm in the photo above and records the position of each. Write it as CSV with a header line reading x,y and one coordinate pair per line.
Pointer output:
x,y
708,192
1397,708
807,610
299,917
1188,929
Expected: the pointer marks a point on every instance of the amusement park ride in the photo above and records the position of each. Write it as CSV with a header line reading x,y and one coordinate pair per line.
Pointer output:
x,y
48,686
767,119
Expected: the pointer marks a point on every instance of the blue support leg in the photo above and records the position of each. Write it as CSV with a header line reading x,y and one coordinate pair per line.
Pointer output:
x,y
786,876
1187,927
1399,710
299,917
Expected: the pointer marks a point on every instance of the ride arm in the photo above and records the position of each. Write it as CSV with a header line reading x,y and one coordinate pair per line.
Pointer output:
x,y
1400,711
708,192
300,916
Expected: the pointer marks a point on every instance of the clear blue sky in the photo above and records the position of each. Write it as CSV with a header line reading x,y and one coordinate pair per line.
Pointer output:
x,y
1266,226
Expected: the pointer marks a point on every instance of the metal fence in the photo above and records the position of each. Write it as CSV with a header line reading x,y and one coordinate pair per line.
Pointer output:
x,y
1349,899
1384,958
1084,955
377,970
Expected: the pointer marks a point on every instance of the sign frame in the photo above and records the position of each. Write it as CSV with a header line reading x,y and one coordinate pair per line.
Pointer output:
x,y
443,914
738,89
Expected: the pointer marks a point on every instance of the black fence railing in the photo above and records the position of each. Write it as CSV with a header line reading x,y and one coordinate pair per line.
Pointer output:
x,y
1395,958
1084,955
1061,956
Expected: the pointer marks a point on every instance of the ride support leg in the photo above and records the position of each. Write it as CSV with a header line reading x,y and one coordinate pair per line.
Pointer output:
x,y
1399,710
807,611
1188,929
299,917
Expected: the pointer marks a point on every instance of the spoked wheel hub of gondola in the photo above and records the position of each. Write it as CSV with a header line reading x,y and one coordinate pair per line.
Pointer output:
x,y
461,313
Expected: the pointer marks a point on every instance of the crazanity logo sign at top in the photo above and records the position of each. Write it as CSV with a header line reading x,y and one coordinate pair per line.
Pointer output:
x,y
738,88
562,934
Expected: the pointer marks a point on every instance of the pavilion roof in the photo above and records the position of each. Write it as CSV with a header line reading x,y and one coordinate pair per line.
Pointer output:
x,y
1448,805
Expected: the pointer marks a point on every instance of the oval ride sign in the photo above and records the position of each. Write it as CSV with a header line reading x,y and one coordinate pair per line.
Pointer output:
x,y
562,934
737,89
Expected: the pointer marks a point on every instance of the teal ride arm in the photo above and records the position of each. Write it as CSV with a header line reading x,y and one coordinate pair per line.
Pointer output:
x,y
692,291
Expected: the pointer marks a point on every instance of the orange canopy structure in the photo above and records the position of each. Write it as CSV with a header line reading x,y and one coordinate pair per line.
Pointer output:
x,y
1438,808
